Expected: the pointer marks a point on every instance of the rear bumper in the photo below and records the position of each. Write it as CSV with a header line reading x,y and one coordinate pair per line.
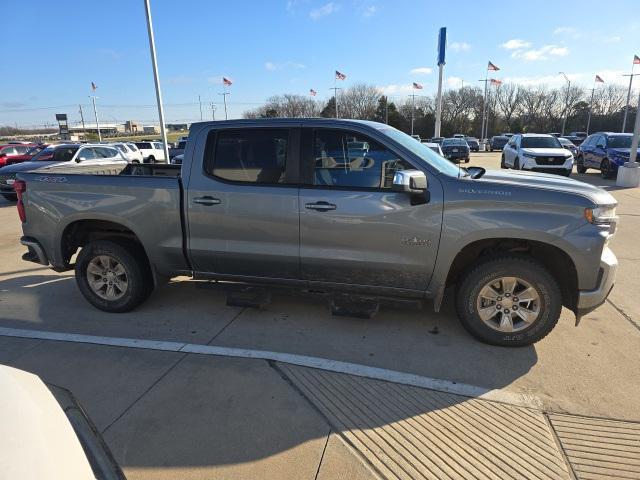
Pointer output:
x,y
589,300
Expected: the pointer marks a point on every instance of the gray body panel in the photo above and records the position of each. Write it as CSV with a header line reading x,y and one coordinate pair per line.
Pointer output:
x,y
375,241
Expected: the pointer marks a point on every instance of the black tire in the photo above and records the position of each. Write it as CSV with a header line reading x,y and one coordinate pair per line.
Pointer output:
x,y
501,266
502,164
580,165
466,160
134,262
516,164
605,169
491,149
11,197
151,159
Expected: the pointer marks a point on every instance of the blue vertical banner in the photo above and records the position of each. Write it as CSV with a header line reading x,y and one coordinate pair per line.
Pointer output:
x,y
442,45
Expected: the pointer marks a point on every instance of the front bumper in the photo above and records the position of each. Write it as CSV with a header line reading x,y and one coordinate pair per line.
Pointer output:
x,y
589,300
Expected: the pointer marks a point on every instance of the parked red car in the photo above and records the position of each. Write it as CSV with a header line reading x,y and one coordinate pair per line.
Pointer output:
x,y
10,151
33,150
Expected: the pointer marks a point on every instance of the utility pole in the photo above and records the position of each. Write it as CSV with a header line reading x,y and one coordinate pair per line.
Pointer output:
x,y
213,111
566,103
413,109
84,130
335,98
386,110
200,103
590,107
95,112
629,173
484,107
156,78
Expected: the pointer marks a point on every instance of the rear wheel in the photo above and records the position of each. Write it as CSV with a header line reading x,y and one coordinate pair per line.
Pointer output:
x,y
113,276
509,300
151,159
580,165
606,170
12,197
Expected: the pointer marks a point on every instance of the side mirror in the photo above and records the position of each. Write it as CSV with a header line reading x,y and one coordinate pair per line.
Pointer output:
x,y
80,159
409,181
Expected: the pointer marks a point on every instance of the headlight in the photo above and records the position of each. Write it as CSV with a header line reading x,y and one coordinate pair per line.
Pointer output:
x,y
528,155
600,215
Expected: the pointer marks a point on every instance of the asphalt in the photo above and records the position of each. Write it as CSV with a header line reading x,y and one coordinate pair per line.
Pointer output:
x,y
170,414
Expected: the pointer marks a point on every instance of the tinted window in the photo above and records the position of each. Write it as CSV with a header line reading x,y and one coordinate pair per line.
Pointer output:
x,y
104,152
182,144
540,142
348,159
619,141
87,154
132,147
253,156
454,142
8,151
122,147
145,145
62,154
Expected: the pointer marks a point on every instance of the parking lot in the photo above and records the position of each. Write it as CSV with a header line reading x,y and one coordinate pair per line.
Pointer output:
x,y
310,407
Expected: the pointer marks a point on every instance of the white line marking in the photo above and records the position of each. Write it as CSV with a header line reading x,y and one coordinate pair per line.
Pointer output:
x,y
357,370
47,281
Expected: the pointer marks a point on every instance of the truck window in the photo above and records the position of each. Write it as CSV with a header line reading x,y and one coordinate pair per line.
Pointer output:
x,y
251,156
348,159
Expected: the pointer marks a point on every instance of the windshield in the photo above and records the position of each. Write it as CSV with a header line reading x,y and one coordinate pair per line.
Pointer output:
x,y
421,150
620,141
540,142
45,154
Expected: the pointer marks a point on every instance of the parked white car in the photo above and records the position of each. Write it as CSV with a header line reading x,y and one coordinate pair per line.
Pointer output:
x,y
129,151
537,152
152,152
44,433
435,147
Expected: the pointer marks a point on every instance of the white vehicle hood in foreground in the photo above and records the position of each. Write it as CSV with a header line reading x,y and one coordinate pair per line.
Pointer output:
x,y
36,439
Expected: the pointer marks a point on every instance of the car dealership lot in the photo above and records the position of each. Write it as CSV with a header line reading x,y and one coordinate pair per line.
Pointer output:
x,y
167,410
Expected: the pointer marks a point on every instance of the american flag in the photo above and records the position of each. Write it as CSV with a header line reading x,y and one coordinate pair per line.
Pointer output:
x,y
492,67
226,81
599,79
496,82
93,86
312,92
417,86
340,76
636,60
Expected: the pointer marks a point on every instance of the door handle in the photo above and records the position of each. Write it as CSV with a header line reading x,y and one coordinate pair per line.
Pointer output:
x,y
207,201
320,206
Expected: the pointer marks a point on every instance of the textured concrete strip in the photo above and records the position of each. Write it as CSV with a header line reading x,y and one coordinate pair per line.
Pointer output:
x,y
408,432
599,448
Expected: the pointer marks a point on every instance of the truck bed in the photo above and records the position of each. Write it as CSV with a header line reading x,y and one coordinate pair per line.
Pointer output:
x,y
145,199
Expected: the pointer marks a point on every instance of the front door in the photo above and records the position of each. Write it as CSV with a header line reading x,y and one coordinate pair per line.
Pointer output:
x,y
242,207
353,228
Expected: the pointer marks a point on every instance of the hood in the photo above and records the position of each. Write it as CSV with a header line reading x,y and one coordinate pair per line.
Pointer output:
x,y
25,167
546,152
544,181
38,441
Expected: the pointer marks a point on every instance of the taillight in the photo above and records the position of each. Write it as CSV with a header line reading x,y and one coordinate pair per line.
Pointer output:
x,y
20,187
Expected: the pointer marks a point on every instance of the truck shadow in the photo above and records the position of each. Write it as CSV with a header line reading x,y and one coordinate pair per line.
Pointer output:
x,y
206,411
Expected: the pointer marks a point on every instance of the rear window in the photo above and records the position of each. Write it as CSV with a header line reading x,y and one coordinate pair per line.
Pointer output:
x,y
144,145
251,156
132,147
454,142
619,141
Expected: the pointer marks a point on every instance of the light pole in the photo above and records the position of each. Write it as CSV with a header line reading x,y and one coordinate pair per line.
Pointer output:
x,y
566,103
95,112
156,78
629,173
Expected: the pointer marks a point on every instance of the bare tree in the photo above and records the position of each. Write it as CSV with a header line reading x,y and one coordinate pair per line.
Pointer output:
x,y
287,105
609,100
508,98
359,101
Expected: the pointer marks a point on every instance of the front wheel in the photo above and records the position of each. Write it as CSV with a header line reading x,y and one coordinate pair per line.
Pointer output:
x,y
11,197
502,163
113,276
509,300
606,170
580,168
151,159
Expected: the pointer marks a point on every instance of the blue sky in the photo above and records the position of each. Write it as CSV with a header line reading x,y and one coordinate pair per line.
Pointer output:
x,y
51,51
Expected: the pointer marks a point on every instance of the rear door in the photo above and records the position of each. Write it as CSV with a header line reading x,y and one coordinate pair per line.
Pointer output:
x,y
242,204
509,151
353,228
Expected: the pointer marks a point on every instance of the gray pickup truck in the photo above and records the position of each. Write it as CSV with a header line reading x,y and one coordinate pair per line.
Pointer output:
x,y
341,206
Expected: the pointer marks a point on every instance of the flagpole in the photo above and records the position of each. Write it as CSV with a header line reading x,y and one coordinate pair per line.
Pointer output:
x,y
335,92
626,108
484,105
413,107
95,112
593,90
